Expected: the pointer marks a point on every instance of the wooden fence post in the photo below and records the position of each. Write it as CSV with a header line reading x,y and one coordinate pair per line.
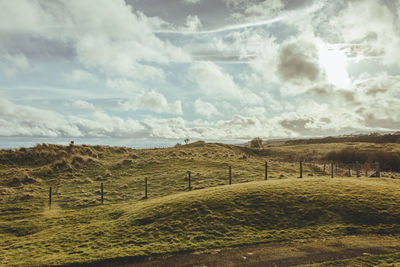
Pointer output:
x,y
230,175
336,169
349,170
378,169
324,167
145,187
50,193
301,169
190,182
102,194
366,169
266,170
358,169
331,169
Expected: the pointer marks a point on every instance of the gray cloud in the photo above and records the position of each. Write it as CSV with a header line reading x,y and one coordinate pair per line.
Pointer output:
x,y
299,61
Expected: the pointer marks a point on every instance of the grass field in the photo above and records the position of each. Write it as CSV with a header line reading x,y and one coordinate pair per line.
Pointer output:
x,y
77,229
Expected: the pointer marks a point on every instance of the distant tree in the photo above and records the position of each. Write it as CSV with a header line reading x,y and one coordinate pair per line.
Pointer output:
x,y
186,140
256,143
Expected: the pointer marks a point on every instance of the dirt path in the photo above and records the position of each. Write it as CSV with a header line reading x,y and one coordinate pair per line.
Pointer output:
x,y
283,254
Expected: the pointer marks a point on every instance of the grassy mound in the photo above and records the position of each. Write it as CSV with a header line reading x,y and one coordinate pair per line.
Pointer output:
x,y
273,211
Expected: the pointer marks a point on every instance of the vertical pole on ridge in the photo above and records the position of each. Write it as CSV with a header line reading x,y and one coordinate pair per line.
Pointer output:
x,y
301,169
145,187
230,175
102,193
189,178
50,193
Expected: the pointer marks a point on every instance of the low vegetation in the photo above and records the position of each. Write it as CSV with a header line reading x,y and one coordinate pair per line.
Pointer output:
x,y
370,138
78,229
387,160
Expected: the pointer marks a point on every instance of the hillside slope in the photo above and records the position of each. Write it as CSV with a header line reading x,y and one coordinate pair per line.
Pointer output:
x,y
265,211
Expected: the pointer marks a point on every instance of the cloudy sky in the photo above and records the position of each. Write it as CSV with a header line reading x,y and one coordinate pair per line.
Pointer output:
x,y
203,69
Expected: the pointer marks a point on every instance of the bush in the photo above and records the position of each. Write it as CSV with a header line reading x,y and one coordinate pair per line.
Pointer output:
x,y
387,160
256,143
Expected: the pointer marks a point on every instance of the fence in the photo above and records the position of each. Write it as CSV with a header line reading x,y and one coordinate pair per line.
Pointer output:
x,y
318,169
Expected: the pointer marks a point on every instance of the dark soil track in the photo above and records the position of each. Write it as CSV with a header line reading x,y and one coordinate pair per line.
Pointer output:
x,y
283,254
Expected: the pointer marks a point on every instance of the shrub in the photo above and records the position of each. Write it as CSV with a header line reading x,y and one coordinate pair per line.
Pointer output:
x,y
387,160
256,143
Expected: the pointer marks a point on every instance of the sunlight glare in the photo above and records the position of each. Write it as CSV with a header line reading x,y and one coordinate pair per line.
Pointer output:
x,y
334,62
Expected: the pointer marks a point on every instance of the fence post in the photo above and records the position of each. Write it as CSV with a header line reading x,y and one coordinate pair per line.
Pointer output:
x,y
189,178
336,169
145,187
331,169
366,169
266,170
50,189
349,170
358,169
378,169
301,169
102,194
324,167
230,175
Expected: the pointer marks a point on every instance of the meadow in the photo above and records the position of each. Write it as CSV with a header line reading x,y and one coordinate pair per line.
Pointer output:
x,y
78,229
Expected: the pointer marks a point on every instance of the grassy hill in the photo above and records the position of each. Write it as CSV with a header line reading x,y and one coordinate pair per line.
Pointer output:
x,y
77,229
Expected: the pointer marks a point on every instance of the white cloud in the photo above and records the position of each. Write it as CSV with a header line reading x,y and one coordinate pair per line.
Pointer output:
x,y
105,34
213,82
191,2
193,23
153,101
80,104
77,75
19,120
205,108
376,28
104,125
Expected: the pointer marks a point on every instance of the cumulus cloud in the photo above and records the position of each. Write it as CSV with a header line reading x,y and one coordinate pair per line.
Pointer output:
x,y
104,125
107,35
20,120
205,108
80,105
298,62
212,81
377,29
152,101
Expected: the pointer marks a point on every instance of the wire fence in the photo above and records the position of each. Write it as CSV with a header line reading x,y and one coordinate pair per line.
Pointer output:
x,y
101,193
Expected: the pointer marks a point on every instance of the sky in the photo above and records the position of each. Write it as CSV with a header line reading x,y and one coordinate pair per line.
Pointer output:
x,y
150,70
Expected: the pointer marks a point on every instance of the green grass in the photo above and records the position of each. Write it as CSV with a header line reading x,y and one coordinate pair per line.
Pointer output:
x,y
77,229
233,215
